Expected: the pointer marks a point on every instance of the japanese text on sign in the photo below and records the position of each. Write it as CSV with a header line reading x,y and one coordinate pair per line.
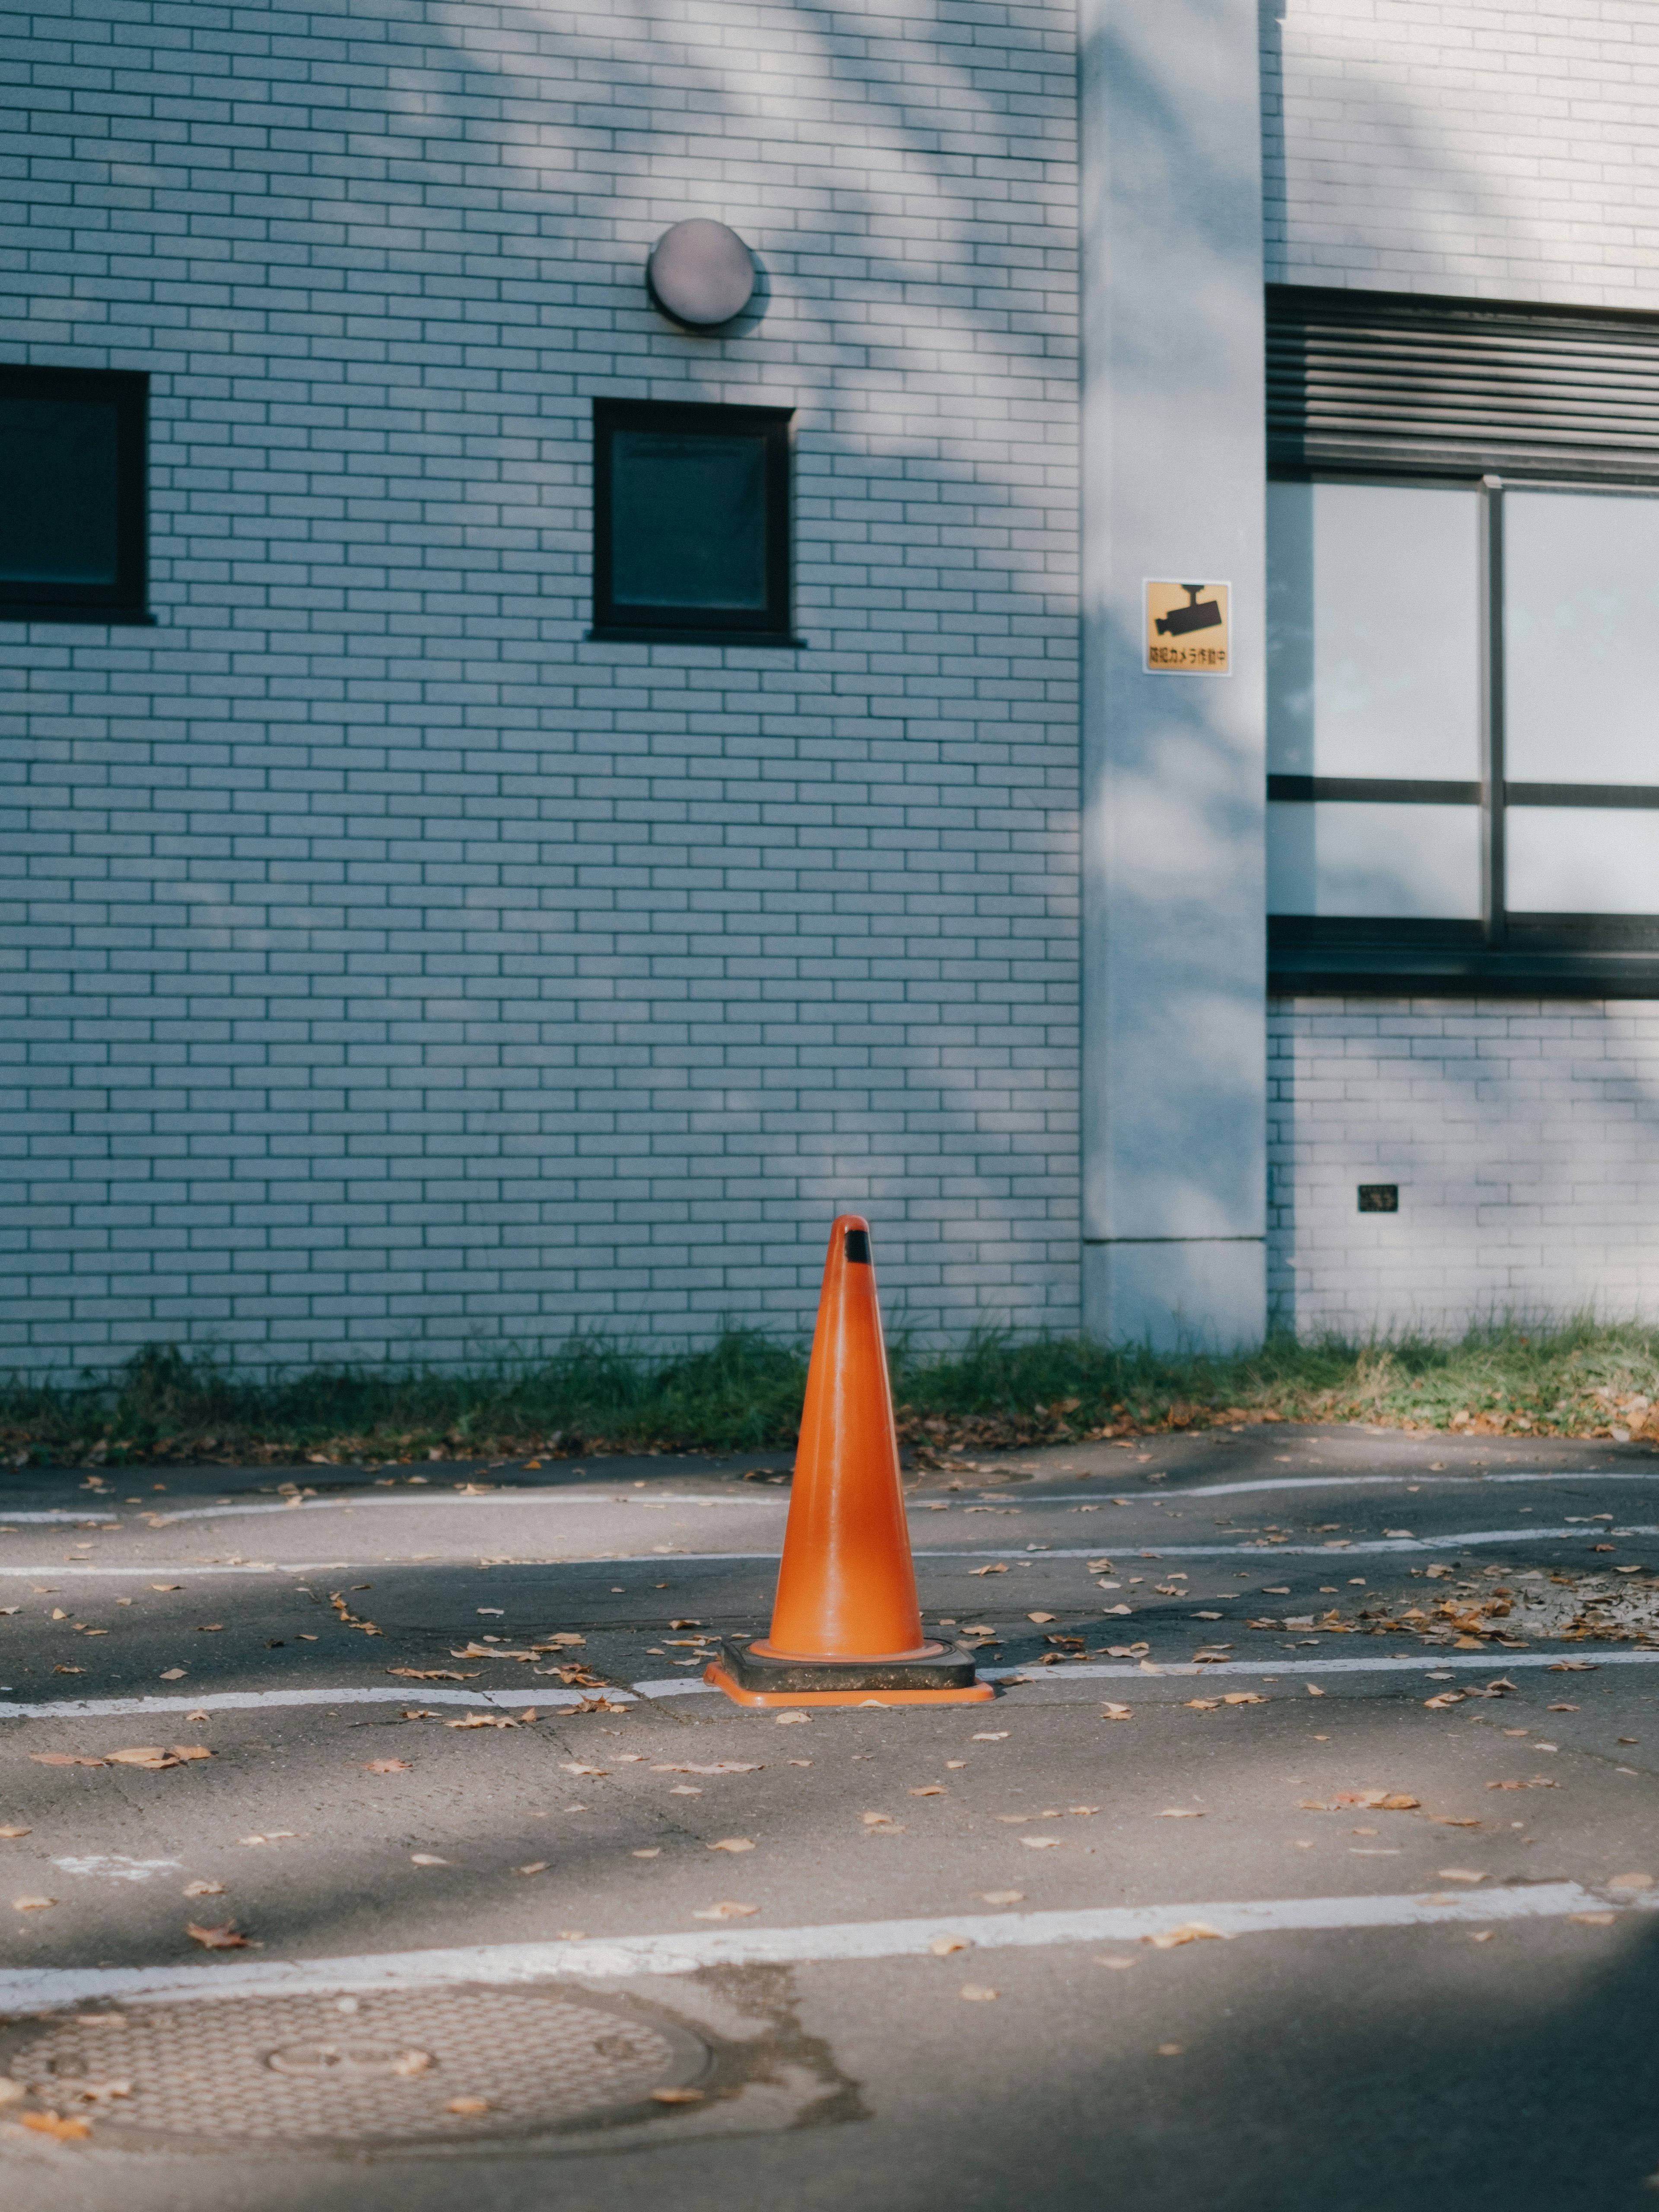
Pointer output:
x,y
1187,629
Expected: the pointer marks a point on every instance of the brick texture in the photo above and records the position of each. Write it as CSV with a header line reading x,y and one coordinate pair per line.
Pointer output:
x,y
1523,1135
390,970
1501,149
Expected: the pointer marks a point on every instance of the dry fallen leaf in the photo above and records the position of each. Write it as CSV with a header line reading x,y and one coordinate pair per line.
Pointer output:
x,y
1041,1843
52,2124
1459,1874
1630,1881
725,1911
654,1853
188,1751
1112,1712
387,1767
166,1586
225,1938
677,2096
482,1720
432,1675
173,1674
151,1757
987,1571
32,1904
63,1759
1242,1698
12,1832
203,1889
942,1946
1593,1919
1190,1931
1177,1813
467,2108
1170,2049
1039,1616
536,1866
1444,1702
426,1858
930,1790
712,1766
733,1844
1003,1896
791,1720
575,1766
976,1993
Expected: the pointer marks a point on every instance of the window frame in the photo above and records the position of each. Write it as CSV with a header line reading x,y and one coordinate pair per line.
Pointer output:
x,y
125,599
1601,956
773,624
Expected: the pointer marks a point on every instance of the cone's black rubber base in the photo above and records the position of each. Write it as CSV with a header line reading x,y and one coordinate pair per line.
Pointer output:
x,y
953,1670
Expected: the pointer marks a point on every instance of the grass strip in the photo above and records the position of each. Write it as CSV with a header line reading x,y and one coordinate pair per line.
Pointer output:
x,y
743,1393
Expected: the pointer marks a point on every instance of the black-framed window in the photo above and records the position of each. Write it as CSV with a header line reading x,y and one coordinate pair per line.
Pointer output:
x,y
691,538
72,528
1464,649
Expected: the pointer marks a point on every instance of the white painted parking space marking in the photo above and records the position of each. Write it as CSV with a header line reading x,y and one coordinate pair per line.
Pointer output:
x,y
32,1988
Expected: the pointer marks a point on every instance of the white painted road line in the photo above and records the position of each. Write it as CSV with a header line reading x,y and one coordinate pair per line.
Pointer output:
x,y
1143,1670
242,1701
163,1516
32,1988
1426,1662
1422,1480
1258,1554
689,1684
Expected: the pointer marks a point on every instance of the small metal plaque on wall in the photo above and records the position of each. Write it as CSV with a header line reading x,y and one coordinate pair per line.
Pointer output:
x,y
1379,1197
1187,629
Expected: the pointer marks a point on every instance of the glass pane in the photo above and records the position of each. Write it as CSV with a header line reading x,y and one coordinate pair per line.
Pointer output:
x,y
688,520
1373,631
1582,859
57,491
1581,625
1339,857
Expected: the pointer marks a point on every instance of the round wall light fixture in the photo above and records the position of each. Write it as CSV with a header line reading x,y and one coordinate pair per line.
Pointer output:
x,y
700,273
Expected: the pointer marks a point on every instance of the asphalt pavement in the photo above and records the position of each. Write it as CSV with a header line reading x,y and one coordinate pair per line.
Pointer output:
x,y
1307,1854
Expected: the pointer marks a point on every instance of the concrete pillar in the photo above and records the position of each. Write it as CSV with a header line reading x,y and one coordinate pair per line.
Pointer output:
x,y
1174,765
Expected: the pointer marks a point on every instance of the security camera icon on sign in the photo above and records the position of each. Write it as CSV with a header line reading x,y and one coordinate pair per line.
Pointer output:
x,y
1180,621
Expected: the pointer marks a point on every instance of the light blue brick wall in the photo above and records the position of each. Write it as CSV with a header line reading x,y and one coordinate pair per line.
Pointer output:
x,y
387,968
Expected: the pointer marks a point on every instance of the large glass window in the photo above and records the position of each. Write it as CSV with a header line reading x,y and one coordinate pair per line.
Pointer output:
x,y
71,496
1463,721
690,522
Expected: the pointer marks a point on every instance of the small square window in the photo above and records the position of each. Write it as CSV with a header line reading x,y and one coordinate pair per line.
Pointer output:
x,y
690,523
72,494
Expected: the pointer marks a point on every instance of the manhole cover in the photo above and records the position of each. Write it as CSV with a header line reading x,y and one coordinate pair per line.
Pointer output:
x,y
417,2066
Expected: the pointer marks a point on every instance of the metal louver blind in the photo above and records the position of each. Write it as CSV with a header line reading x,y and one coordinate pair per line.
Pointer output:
x,y
1364,378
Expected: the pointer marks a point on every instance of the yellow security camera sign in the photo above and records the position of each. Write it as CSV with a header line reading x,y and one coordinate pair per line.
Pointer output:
x,y
1187,628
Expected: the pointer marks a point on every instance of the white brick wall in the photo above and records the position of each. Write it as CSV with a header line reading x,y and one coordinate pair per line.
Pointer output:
x,y
1523,1135
1503,149
388,969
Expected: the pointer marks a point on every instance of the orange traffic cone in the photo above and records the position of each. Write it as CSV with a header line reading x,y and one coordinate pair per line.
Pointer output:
x,y
847,1624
